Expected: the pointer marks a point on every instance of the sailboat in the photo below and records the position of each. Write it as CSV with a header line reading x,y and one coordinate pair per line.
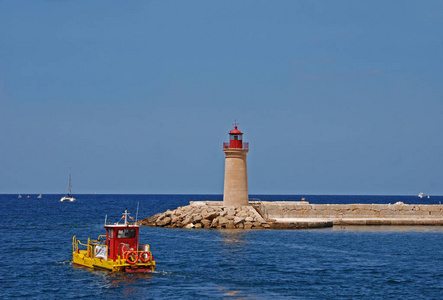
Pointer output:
x,y
19,196
68,198
39,196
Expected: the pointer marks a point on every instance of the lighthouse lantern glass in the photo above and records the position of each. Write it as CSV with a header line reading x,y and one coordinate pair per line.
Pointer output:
x,y
236,137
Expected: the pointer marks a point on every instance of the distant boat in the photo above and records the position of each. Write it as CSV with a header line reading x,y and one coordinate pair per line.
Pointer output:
x,y
27,197
20,196
39,196
423,195
68,198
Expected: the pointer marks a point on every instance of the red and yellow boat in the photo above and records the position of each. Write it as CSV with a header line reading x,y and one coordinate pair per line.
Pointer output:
x,y
118,250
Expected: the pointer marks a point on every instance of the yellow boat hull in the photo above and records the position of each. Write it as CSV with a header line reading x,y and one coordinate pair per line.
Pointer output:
x,y
82,258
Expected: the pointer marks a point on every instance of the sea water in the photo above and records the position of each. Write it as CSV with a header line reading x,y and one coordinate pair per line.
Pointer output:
x,y
361,262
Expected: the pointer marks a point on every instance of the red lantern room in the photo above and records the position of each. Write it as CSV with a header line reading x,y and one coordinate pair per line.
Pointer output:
x,y
235,140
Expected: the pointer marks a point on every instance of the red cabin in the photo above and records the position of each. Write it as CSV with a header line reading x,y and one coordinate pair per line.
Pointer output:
x,y
121,238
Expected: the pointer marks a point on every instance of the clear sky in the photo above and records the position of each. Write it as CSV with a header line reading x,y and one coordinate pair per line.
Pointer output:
x,y
334,97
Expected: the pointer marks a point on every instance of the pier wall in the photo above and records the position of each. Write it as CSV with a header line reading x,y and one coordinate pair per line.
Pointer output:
x,y
356,214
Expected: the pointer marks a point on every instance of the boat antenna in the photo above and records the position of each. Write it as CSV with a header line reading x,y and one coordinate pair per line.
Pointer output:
x,y
136,215
106,218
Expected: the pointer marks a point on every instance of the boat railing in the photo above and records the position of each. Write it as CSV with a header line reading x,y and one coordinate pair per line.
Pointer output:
x,y
90,246
74,244
100,240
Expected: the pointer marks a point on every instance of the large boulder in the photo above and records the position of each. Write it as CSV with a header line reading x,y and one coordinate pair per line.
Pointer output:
x,y
249,219
197,218
247,225
239,225
188,219
214,223
164,221
210,215
206,223
190,225
222,221
238,220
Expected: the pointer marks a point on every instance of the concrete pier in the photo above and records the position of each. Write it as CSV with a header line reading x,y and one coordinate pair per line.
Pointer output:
x,y
352,214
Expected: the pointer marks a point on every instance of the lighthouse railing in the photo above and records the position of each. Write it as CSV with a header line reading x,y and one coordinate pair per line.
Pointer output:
x,y
226,145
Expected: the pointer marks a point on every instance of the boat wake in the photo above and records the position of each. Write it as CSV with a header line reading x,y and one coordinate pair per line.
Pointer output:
x,y
64,262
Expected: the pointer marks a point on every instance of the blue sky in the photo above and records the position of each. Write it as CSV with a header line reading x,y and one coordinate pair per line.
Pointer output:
x,y
334,97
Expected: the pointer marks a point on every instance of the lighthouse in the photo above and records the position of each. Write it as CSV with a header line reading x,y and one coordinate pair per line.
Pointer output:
x,y
236,175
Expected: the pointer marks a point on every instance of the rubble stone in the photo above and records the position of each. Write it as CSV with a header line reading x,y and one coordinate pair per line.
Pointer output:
x,y
201,214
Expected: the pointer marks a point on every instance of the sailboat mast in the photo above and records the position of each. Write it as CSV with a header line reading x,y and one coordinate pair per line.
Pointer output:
x,y
69,184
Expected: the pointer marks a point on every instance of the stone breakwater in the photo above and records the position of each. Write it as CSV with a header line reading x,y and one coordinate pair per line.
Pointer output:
x,y
261,215
208,214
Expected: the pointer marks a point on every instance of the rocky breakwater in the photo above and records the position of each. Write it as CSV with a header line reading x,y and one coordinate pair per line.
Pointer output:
x,y
208,214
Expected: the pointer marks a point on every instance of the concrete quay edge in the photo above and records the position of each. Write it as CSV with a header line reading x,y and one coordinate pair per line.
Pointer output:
x,y
317,222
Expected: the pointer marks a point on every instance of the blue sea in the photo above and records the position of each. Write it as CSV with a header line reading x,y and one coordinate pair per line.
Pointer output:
x,y
373,262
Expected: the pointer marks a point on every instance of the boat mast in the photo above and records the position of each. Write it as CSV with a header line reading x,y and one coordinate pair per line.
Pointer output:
x,y
69,184
126,214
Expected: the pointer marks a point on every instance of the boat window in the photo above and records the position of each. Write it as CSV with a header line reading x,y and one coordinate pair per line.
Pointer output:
x,y
126,233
